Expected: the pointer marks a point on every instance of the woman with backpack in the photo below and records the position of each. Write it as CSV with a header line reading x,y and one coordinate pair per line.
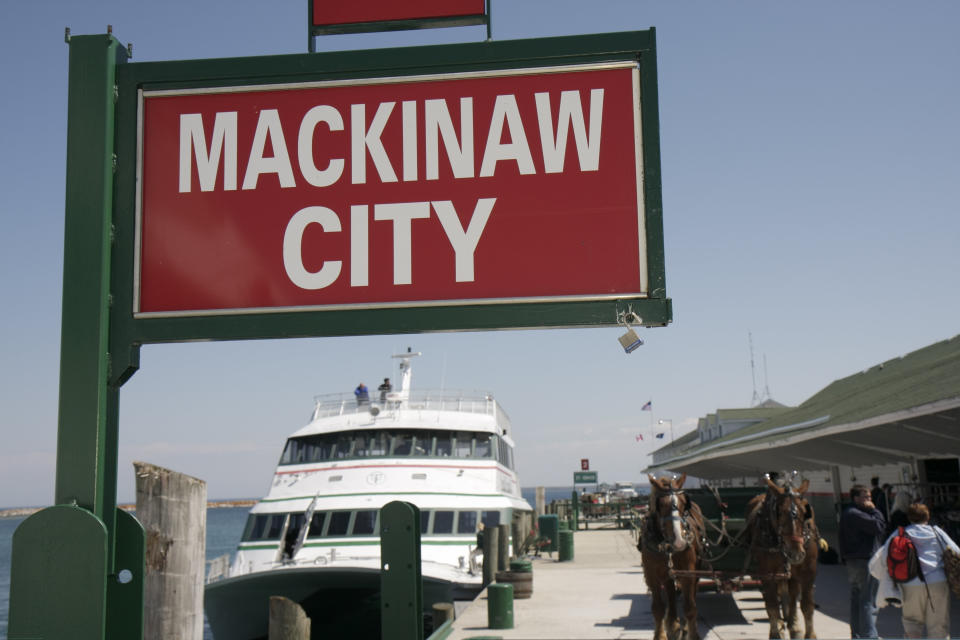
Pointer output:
x,y
912,558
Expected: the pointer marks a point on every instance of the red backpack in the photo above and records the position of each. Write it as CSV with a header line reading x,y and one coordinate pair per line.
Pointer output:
x,y
902,562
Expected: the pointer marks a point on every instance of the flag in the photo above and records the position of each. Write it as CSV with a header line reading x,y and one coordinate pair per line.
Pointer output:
x,y
639,437
660,435
648,406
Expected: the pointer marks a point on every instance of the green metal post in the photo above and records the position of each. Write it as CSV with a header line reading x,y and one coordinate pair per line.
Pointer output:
x,y
401,586
67,558
575,516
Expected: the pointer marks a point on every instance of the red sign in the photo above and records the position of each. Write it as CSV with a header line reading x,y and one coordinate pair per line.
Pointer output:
x,y
327,13
584,464
515,186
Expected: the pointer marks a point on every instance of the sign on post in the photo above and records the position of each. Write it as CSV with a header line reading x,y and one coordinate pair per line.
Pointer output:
x,y
584,477
450,189
584,464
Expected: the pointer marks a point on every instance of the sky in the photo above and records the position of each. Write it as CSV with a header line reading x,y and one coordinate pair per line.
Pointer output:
x,y
811,197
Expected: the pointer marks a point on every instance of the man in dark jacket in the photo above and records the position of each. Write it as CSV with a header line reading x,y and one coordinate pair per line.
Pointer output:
x,y
861,531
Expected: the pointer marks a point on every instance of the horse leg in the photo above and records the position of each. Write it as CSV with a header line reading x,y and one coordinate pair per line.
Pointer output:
x,y
771,601
790,599
658,606
672,626
689,586
807,606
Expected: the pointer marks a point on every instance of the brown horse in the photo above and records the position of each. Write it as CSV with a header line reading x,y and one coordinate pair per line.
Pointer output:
x,y
784,547
671,540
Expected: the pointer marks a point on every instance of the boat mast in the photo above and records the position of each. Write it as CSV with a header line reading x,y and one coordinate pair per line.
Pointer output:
x,y
405,372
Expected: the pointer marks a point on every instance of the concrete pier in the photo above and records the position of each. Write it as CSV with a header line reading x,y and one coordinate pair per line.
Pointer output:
x,y
601,594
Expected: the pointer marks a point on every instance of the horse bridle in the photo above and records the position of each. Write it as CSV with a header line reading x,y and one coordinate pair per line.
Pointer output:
x,y
795,516
687,534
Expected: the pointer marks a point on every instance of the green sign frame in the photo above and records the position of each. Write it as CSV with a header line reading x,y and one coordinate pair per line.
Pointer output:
x,y
101,338
655,309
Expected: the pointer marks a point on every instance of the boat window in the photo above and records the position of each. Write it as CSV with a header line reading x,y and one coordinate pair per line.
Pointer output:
x,y
267,526
444,444
316,524
482,449
361,446
255,527
443,521
342,447
463,444
402,444
275,526
364,524
421,444
289,452
491,519
339,523
467,522
424,521
380,444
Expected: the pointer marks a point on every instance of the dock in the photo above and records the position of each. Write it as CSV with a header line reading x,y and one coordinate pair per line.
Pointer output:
x,y
601,594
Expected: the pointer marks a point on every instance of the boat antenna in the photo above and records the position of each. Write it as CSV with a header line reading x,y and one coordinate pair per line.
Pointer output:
x,y
405,374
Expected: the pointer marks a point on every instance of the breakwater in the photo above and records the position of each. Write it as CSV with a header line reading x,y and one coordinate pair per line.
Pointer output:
x,y
23,512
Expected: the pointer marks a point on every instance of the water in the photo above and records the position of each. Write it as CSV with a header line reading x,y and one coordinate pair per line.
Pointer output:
x,y
7,526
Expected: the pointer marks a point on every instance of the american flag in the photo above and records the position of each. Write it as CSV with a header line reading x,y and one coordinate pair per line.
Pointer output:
x,y
648,406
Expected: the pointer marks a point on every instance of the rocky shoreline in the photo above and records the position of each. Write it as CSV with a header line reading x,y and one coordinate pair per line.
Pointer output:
x,y
23,512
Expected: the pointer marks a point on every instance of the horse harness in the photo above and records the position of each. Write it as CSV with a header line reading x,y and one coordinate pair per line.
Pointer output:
x,y
767,536
653,538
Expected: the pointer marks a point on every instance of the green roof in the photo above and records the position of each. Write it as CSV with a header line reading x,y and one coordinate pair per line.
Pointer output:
x,y
919,378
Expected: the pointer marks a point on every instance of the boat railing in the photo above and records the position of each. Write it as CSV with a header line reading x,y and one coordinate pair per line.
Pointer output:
x,y
219,568
338,404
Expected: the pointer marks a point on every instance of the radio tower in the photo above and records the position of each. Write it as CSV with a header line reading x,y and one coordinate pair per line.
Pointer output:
x,y
753,375
766,381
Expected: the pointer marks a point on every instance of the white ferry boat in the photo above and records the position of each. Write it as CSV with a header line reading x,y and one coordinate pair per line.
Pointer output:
x,y
315,537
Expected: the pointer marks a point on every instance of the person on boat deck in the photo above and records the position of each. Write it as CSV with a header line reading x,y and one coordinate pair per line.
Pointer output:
x,y
362,394
861,526
923,604
384,389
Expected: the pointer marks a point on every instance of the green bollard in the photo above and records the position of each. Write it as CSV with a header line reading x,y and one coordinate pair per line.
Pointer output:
x,y
500,606
566,546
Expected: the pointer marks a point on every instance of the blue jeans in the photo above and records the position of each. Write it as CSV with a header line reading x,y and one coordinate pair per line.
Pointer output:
x,y
863,596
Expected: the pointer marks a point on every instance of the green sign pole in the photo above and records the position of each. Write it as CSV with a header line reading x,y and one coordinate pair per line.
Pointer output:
x,y
77,568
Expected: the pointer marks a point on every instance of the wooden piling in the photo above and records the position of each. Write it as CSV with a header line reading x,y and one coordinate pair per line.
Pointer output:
x,y
288,621
172,507
491,539
442,611
541,499
503,547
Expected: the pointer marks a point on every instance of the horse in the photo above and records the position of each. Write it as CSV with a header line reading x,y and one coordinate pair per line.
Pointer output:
x,y
784,544
671,539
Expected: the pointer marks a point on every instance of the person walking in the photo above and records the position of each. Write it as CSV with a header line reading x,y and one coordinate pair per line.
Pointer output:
x,y
926,602
861,527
